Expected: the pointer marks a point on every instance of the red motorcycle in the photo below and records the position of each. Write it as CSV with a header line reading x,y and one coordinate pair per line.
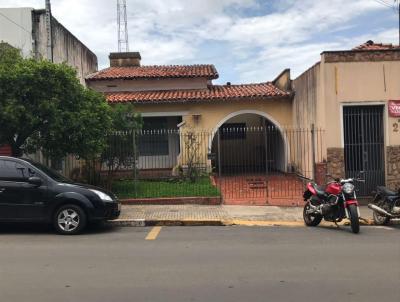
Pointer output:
x,y
336,201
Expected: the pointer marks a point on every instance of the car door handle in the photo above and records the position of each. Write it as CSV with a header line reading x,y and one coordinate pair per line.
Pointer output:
x,y
2,190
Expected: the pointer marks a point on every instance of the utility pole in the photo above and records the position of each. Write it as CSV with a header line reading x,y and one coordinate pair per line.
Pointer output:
x,y
123,44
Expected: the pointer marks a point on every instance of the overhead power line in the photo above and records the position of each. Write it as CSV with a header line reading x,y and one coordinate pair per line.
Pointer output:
x,y
384,3
393,4
19,25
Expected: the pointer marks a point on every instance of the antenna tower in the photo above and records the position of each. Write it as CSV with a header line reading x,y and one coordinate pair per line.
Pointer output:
x,y
123,44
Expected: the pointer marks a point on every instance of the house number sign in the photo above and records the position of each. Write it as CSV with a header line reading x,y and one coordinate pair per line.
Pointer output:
x,y
394,108
396,127
394,111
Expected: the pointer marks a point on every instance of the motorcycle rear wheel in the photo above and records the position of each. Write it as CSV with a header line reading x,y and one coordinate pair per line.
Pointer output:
x,y
310,219
378,218
354,220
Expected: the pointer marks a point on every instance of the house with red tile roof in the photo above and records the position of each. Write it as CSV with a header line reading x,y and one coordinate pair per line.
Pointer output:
x,y
179,97
353,95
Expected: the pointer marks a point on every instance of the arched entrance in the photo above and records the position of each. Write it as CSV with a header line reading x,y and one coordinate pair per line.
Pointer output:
x,y
248,141
247,146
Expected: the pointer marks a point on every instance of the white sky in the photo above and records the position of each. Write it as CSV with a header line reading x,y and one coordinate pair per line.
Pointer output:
x,y
247,40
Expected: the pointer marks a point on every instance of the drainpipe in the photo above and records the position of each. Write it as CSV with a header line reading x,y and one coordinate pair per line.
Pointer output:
x,y
49,32
313,151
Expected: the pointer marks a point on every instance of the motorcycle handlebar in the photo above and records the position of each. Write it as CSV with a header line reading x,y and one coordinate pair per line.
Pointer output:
x,y
342,181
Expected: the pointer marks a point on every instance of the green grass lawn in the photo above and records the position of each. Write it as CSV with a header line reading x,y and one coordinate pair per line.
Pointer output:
x,y
157,188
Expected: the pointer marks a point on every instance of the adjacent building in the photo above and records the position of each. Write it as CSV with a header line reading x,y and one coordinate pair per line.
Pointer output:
x,y
354,95
39,35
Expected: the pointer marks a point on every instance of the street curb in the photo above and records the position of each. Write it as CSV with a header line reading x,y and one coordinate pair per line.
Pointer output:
x,y
218,222
272,223
166,222
196,200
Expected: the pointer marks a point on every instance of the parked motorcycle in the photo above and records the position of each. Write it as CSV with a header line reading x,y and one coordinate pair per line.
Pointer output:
x,y
386,205
333,203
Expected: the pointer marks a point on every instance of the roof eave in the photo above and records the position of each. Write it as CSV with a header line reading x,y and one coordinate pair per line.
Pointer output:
x,y
359,50
288,96
147,78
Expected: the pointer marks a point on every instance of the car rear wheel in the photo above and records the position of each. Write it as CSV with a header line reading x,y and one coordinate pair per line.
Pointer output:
x,y
378,218
69,220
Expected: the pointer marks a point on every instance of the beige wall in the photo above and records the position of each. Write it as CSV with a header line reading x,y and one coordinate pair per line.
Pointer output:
x,y
307,90
147,85
212,113
327,87
358,83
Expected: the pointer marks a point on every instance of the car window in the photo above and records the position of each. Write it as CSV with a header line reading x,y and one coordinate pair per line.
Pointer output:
x,y
10,170
50,172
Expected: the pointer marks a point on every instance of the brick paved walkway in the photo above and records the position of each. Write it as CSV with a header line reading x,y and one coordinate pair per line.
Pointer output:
x,y
174,212
280,190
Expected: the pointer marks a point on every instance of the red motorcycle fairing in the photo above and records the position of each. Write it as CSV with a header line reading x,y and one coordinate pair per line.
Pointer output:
x,y
334,188
311,188
350,202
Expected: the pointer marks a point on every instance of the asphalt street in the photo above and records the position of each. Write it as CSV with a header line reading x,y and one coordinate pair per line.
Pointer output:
x,y
200,264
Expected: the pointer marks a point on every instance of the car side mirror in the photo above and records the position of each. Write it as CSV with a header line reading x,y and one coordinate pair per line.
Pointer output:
x,y
34,180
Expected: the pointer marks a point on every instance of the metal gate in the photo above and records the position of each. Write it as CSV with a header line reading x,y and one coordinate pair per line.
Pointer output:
x,y
262,165
364,145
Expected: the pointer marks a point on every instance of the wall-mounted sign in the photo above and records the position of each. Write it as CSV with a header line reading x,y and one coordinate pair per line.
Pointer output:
x,y
394,108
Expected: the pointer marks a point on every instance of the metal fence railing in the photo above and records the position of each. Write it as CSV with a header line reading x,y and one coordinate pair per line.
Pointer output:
x,y
253,163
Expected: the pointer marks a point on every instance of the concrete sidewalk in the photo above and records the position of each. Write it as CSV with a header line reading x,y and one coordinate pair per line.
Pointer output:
x,y
144,215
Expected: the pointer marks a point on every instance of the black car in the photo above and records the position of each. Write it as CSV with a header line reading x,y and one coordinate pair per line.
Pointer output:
x,y
31,192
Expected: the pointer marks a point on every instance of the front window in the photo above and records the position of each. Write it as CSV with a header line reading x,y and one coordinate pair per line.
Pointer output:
x,y
153,140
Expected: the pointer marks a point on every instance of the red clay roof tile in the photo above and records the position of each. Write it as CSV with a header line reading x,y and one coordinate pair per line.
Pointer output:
x,y
370,45
152,72
213,93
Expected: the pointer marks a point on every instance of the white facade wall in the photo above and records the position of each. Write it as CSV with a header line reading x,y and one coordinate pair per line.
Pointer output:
x,y
16,29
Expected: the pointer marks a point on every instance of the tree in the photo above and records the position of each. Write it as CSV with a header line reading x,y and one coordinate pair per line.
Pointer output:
x,y
9,55
120,151
44,107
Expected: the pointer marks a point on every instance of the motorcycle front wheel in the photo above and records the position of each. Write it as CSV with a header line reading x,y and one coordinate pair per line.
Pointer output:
x,y
310,219
354,220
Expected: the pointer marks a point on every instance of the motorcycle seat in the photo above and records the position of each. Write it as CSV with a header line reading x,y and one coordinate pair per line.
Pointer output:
x,y
320,190
387,192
